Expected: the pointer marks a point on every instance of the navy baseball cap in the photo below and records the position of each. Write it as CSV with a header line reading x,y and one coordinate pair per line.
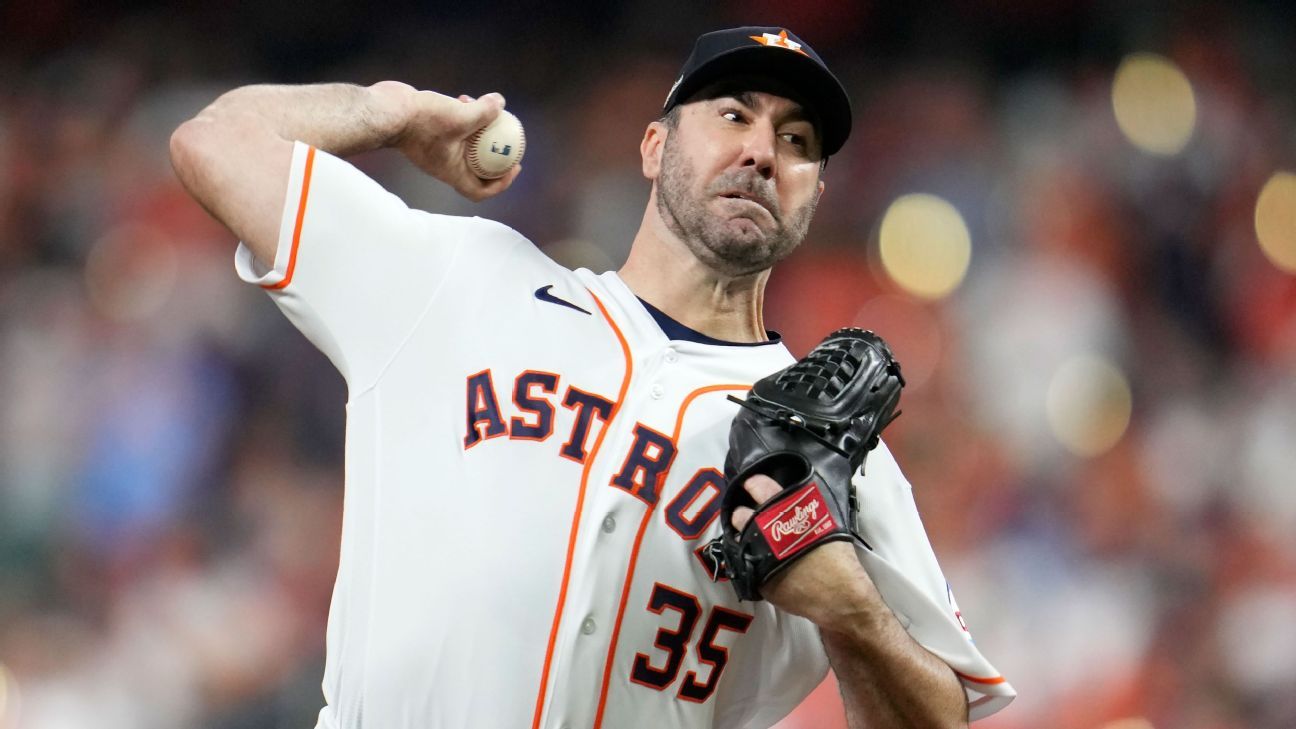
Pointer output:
x,y
774,53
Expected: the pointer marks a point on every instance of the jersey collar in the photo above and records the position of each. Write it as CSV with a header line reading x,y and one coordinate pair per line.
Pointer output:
x,y
676,331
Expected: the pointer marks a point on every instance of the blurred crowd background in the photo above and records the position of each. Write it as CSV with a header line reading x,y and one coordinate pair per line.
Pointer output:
x,y
1075,221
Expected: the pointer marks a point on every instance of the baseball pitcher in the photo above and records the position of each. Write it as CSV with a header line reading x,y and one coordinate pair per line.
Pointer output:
x,y
553,517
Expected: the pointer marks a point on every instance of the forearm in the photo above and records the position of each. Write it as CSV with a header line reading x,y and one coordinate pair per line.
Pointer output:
x,y
338,118
887,679
234,156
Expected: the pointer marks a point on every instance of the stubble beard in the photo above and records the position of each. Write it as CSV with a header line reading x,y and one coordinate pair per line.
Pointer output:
x,y
727,249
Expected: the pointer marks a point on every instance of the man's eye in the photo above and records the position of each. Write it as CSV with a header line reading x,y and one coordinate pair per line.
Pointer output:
x,y
732,115
795,139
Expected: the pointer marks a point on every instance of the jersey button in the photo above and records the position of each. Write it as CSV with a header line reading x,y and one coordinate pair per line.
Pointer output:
x,y
609,524
657,391
672,356
588,626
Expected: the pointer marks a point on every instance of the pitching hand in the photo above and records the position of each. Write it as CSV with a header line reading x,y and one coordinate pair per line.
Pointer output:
x,y
435,133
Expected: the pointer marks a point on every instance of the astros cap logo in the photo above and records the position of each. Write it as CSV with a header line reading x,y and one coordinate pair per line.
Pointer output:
x,y
778,41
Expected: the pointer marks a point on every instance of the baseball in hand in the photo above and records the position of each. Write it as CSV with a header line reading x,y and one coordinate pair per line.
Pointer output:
x,y
496,147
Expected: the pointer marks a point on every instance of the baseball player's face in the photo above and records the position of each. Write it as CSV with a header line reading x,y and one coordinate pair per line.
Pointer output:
x,y
739,180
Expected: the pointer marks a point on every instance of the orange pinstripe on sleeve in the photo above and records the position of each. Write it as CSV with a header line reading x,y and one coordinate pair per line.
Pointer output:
x,y
297,226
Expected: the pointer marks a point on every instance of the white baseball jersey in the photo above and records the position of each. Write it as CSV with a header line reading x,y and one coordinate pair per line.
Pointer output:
x,y
531,468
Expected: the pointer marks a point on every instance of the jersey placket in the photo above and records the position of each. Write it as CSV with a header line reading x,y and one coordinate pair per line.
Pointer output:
x,y
609,525
656,581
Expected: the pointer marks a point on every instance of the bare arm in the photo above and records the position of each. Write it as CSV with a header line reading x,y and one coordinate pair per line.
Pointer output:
x,y
234,156
887,680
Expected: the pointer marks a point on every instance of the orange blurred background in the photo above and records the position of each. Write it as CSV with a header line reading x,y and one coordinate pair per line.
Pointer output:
x,y
1075,222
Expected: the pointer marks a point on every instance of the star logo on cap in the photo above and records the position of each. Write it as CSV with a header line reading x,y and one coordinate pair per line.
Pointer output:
x,y
779,41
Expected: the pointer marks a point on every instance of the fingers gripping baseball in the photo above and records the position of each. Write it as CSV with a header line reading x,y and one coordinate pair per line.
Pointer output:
x,y
480,113
762,488
436,132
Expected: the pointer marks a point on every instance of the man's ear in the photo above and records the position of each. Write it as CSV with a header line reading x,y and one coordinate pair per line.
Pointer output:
x,y
650,149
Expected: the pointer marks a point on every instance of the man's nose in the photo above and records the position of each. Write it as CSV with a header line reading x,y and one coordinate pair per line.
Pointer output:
x,y
758,149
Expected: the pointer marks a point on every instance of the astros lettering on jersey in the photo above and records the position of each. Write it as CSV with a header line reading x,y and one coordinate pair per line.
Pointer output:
x,y
531,468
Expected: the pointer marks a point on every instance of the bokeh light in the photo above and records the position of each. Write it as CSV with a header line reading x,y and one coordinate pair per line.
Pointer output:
x,y
925,245
1154,103
1275,220
1088,405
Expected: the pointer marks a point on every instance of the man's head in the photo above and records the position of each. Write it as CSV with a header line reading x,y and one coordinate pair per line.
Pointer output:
x,y
737,158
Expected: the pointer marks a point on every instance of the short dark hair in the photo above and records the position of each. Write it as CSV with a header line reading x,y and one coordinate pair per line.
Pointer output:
x,y
671,120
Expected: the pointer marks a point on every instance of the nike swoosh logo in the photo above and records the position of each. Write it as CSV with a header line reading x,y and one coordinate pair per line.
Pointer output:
x,y
543,294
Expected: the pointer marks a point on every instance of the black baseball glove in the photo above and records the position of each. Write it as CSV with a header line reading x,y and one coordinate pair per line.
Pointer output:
x,y
808,427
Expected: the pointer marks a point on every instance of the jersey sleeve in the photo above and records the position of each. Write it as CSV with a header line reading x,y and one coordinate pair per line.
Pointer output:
x,y
902,564
356,269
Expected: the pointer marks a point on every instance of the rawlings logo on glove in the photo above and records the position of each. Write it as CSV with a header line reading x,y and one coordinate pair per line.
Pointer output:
x,y
780,528
809,427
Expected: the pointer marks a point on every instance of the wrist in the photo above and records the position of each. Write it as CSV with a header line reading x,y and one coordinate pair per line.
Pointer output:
x,y
830,588
858,611
391,108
